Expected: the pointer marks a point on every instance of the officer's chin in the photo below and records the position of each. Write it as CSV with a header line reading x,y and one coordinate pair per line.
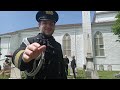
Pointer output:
x,y
48,34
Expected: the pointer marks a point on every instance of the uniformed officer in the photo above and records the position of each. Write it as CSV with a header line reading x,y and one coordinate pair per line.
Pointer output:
x,y
41,56
73,65
66,60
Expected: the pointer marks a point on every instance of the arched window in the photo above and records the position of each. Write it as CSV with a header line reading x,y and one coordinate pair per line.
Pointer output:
x,y
99,45
67,45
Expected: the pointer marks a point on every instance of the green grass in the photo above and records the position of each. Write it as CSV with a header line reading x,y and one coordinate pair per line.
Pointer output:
x,y
23,75
102,74
80,75
107,74
4,76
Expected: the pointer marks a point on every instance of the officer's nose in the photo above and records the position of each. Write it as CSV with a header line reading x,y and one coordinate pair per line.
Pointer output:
x,y
49,27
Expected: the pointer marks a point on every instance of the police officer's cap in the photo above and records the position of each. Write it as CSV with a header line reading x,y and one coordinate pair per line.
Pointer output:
x,y
47,15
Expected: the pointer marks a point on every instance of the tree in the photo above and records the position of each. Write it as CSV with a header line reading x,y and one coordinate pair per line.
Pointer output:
x,y
116,26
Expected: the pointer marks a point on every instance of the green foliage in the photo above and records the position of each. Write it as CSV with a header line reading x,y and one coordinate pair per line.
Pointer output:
x,y
80,74
116,26
3,76
23,75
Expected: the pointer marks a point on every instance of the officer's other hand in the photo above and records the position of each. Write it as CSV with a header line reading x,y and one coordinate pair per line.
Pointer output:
x,y
32,51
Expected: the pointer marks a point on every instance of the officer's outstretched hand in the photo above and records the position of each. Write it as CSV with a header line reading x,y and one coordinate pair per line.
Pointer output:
x,y
32,51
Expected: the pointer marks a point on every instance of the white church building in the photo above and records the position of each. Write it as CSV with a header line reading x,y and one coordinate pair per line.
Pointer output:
x,y
106,51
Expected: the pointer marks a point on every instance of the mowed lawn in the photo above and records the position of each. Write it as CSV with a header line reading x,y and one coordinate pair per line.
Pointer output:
x,y
81,75
102,74
108,74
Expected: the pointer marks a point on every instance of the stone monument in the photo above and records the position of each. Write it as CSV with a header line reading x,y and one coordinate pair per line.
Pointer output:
x,y
91,73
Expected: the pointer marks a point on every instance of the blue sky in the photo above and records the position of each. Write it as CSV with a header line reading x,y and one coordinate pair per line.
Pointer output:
x,y
17,20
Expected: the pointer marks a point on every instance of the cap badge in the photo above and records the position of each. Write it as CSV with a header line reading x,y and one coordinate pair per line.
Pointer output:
x,y
49,12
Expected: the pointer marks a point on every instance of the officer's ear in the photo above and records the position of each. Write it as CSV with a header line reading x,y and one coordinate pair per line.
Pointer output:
x,y
39,24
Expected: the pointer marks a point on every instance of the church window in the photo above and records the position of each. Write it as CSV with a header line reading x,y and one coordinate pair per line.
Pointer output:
x,y
99,46
67,45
